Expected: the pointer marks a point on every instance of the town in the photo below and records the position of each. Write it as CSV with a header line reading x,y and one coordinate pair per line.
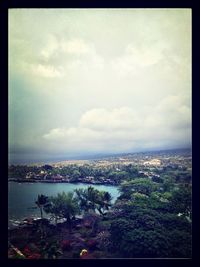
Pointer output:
x,y
111,170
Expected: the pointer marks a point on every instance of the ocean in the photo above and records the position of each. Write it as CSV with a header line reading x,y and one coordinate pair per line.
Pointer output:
x,y
22,196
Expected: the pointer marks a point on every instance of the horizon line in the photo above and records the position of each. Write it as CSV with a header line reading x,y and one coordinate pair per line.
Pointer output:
x,y
90,156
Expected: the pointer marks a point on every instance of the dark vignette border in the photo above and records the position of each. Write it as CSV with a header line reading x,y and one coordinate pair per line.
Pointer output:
x,y
4,7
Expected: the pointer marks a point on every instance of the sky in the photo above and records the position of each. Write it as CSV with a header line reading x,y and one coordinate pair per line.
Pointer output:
x,y
92,81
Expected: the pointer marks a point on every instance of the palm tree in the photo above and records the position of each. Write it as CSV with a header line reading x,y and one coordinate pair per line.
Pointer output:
x,y
64,206
70,207
82,199
41,201
103,202
53,209
87,198
91,199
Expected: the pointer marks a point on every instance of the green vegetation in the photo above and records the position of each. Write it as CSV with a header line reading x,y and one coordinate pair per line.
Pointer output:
x,y
151,218
63,206
148,225
41,202
115,174
140,185
92,199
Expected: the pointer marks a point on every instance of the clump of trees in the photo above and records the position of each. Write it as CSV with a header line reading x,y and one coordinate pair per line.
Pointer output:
x,y
64,205
151,223
148,219
143,232
93,199
68,205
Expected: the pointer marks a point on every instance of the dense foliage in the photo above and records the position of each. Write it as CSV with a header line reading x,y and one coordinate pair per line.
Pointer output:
x,y
93,199
63,206
150,223
144,222
151,217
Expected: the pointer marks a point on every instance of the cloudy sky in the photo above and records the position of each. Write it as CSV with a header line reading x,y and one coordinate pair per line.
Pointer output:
x,y
89,81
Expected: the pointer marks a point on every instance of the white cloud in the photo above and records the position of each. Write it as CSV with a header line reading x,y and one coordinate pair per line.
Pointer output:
x,y
139,56
46,71
122,129
76,56
100,119
56,133
65,47
76,46
85,56
146,55
51,46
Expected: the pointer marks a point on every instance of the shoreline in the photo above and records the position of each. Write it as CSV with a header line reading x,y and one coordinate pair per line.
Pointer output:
x,y
17,180
28,221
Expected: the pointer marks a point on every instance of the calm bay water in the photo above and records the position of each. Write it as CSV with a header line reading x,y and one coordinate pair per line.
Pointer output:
x,y
22,196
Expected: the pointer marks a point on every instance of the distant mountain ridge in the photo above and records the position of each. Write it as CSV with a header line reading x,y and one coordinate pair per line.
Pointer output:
x,y
106,156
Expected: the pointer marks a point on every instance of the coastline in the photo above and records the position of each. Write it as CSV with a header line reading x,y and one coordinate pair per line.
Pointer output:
x,y
21,180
